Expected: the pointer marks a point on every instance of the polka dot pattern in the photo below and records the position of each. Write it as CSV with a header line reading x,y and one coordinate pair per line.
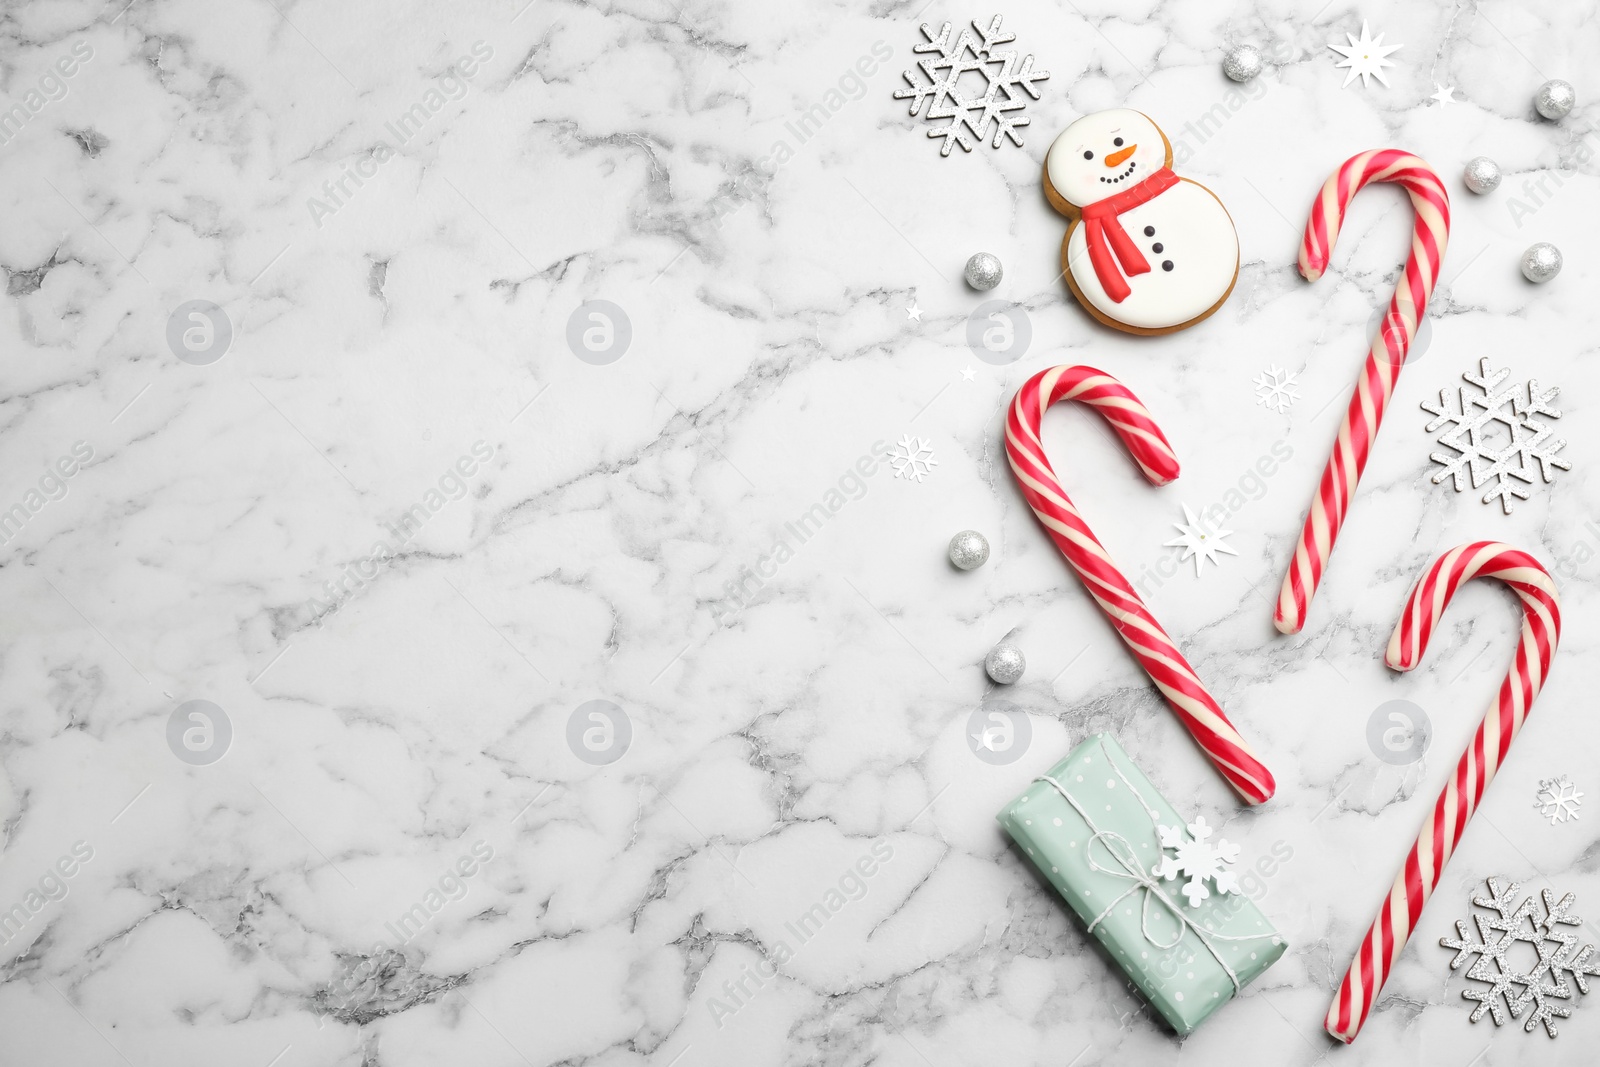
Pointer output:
x,y
1184,980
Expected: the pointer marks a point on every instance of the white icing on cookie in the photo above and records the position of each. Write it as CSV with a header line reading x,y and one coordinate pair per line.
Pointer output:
x,y
1078,159
1196,236
1182,232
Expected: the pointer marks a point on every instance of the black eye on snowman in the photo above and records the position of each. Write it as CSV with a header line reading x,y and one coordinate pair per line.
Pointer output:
x,y
1088,155
1117,142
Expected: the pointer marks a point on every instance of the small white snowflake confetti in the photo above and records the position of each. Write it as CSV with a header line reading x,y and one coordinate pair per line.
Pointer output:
x,y
1196,542
1543,984
912,458
1197,860
998,69
1497,436
1276,389
1365,57
1558,799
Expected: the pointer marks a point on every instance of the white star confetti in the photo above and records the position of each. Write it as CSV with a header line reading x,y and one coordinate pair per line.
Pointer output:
x,y
1365,57
1198,543
913,312
1443,96
989,738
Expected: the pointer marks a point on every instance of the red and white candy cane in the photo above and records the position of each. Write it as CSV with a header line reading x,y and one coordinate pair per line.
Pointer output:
x,y
1139,629
1384,359
1441,831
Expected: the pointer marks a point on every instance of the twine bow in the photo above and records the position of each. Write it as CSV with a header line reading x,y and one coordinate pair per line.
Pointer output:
x,y
1121,850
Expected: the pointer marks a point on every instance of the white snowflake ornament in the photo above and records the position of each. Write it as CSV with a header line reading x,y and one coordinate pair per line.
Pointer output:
x,y
1276,389
912,458
1197,860
1496,435
1365,58
1557,799
997,70
1199,543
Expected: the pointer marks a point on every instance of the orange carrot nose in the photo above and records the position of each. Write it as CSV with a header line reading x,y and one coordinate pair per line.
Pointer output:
x,y
1117,159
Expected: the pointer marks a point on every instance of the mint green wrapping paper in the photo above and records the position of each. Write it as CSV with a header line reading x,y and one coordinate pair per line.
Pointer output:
x,y
1169,961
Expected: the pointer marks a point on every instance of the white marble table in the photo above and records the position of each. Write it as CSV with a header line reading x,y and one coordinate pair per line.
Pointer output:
x,y
396,533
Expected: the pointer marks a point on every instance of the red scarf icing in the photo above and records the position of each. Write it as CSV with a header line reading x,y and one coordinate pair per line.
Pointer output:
x,y
1109,243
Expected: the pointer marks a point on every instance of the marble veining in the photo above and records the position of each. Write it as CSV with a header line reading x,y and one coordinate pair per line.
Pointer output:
x,y
536,329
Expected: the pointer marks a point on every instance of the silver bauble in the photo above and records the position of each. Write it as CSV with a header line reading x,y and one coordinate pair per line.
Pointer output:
x,y
969,550
1482,175
1541,262
1243,62
1554,99
1005,663
984,271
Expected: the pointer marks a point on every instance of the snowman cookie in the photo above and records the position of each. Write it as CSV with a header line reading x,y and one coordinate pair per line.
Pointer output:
x,y
1148,252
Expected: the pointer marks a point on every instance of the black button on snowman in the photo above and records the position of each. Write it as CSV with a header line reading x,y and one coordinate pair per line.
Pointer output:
x,y
1150,231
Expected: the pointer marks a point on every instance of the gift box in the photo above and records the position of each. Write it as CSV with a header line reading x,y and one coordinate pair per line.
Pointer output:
x,y
1095,828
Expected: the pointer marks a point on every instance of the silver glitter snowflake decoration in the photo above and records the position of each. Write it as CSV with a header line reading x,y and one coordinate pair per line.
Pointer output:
x,y
1558,799
1276,389
1497,436
1195,858
912,458
1553,956
952,75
